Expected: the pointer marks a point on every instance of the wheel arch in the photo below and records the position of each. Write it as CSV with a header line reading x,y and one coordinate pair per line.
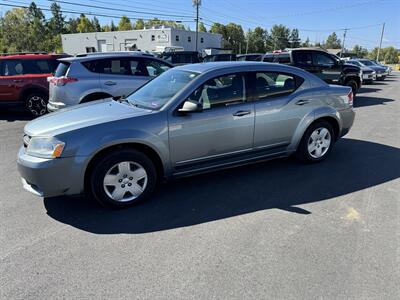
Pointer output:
x,y
94,96
145,149
32,89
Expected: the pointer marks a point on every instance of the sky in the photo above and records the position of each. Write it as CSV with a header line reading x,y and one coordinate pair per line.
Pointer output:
x,y
315,19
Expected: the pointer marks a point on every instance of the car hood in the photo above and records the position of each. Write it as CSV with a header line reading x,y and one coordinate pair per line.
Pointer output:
x,y
366,69
82,115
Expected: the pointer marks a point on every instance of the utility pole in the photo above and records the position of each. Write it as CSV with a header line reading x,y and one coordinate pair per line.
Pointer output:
x,y
380,44
197,3
344,39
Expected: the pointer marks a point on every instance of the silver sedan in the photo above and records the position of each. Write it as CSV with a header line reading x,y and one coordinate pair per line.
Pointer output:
x,y
190,119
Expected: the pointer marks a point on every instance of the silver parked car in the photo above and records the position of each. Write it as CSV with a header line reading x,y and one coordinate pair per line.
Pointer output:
x,y
90,77
190,119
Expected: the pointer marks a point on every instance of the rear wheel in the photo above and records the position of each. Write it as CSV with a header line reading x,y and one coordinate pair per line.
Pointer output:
x,y
123,178
317,142
36,103
353,84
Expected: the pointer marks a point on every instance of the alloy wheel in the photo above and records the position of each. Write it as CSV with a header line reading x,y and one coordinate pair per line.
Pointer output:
x,y
125,181
319,142
37,105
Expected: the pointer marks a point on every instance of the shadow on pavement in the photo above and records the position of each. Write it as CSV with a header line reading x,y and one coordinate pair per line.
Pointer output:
x,y
354,165
361,101
367,89
15,114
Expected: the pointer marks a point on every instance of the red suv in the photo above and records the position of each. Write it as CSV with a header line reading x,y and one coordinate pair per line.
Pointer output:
x,y
23,80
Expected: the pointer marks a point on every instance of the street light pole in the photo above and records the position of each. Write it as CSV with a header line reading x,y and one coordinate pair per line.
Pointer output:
x,y
344,38
197,3
380,44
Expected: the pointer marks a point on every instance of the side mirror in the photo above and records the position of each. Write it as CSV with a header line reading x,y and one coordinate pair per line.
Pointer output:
x,y
191,106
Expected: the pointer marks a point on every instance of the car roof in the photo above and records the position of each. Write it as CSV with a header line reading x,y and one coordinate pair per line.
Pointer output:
x,y
32,56
217,65
97,55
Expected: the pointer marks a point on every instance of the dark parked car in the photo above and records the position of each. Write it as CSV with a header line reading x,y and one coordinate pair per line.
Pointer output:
x,y
326,66
23,80
220,57
250,57
381,72
181,57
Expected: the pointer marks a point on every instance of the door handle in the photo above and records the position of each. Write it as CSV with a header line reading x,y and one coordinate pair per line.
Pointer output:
x,y
110,83
17,80
302,102
242,113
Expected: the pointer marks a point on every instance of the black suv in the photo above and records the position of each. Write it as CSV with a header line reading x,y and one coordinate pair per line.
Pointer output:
x,y
326,66
181,57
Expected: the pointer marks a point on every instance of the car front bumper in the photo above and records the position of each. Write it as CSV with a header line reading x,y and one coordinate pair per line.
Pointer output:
x,y
54,106
51,177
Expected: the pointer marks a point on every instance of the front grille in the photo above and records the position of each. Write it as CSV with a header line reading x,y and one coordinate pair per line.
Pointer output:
x,y
26,139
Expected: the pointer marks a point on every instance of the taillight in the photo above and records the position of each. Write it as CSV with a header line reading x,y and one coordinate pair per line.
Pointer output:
x,y
60,81
350,98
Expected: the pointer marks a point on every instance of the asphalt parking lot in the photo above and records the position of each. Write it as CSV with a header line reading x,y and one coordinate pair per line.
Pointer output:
x,y
277,230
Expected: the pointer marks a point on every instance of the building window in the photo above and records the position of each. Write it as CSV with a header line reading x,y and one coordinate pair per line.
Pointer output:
x,y
177,38
153,38
201,40
189,39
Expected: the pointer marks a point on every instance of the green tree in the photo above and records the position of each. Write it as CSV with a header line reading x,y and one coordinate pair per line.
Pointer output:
x,y
279,37
139,24
15,26
294,39
306,43
202,28
72,25
113,27
125,24
85,25
391,55
360,51
232,36
96,25
332,42
55,27
256,40
36,35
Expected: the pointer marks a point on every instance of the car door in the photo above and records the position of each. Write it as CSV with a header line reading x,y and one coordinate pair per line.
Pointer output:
x,y
224,127
280,104
11,80
329,69
121,76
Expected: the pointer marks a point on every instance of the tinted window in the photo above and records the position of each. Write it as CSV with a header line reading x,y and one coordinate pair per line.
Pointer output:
x,y
221,91
62,69
158,91
323,59
37,66
138,67
155,67
268,58
271,84
284,59
12,67
115,66
302,58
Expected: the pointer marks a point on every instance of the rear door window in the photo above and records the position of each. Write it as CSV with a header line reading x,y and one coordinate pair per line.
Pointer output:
x,y
323,59
12,67
303,58
115,66
33,66
138,67
273,84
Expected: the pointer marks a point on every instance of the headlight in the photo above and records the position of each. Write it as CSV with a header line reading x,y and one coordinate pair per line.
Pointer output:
x,y
45,147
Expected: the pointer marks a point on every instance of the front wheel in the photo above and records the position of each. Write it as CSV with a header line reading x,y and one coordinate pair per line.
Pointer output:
x,y
123,178
317,142
36,103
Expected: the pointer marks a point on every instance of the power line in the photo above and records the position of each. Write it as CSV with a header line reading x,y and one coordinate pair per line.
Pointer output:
x,y
89,13
116,9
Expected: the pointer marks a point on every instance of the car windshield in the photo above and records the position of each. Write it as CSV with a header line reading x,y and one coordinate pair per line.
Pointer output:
x,y
158,91
367,63
357,63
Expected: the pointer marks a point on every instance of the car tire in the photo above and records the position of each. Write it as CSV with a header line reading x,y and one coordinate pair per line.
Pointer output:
x,y
36,103
316,143
123,178
353,84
